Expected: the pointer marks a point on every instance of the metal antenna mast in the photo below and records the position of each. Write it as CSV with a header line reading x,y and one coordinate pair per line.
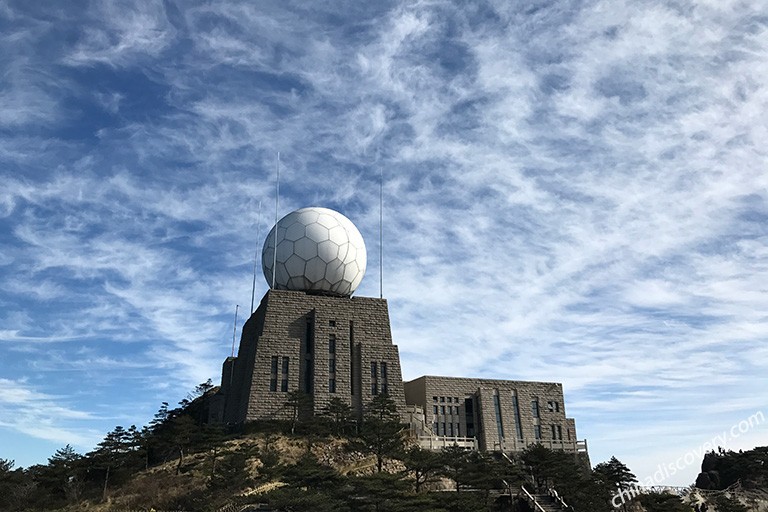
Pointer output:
x,y
256,255
381,232
277,204
234,330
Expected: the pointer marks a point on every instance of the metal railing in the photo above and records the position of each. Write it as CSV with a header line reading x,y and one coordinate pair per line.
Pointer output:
x,y
532,500
558,499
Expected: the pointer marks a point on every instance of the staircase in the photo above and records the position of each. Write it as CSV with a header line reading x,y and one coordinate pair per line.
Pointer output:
x,y
547,503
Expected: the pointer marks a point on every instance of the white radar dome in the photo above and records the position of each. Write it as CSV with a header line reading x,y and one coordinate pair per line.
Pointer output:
x,y
318,250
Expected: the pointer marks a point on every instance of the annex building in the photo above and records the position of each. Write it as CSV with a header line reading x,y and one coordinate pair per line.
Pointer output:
x,y
309,334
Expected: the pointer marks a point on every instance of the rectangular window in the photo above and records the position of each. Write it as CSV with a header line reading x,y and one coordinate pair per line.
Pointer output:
x,y
442,429
434,409
284,379
518,423
384,380
450,430
442,410
332,374
332,344
469,412
456,399
353,368
442,399
309,378
273,374
331,323
559,433
434,399
535,408
434,428
309,341
374,379
458,430
554,433
537,432
499,424
450,399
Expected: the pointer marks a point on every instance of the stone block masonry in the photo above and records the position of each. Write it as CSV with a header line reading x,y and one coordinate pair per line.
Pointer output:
x,y
324,346
501,414
341,347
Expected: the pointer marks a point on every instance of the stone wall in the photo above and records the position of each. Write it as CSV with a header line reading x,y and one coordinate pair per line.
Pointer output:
x,y
314,333
495,426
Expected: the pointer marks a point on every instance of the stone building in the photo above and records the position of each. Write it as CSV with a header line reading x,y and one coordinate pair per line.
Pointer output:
x,y
323,346
492,415
309,334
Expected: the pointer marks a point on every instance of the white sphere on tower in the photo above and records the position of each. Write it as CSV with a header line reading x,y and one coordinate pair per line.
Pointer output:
x,y
318,250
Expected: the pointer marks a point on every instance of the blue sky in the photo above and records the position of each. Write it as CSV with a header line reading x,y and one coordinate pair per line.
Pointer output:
x,y
574,192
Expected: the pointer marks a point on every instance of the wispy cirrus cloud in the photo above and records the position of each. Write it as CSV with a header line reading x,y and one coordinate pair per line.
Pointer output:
x,y
573,191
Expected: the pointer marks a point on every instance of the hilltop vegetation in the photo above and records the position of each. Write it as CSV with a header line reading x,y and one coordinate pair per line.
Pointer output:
x,y
722,469
178,462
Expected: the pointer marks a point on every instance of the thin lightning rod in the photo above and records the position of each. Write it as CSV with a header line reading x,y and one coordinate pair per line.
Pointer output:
x,y
234,330
256,255
381,233
277,205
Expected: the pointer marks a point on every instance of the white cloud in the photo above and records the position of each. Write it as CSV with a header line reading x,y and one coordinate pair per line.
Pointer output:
x,y
572,193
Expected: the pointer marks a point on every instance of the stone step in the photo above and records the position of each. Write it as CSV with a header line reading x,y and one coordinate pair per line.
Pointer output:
x,y
547,502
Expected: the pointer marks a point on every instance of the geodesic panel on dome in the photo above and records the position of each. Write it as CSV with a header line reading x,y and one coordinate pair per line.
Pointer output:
x,y
317,250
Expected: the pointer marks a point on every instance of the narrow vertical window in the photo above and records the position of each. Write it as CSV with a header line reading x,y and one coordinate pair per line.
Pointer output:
x,y
469,413
332,363
309,339
450,430
535,408
384,382
273,374
518,423
309,378
537,432
374,379
559,433
309,349
499,424
352,363
284,379
554,435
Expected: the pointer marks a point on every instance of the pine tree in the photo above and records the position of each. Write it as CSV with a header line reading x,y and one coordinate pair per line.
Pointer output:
x,y
339,413
110,454
424,464
615,474
382,432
